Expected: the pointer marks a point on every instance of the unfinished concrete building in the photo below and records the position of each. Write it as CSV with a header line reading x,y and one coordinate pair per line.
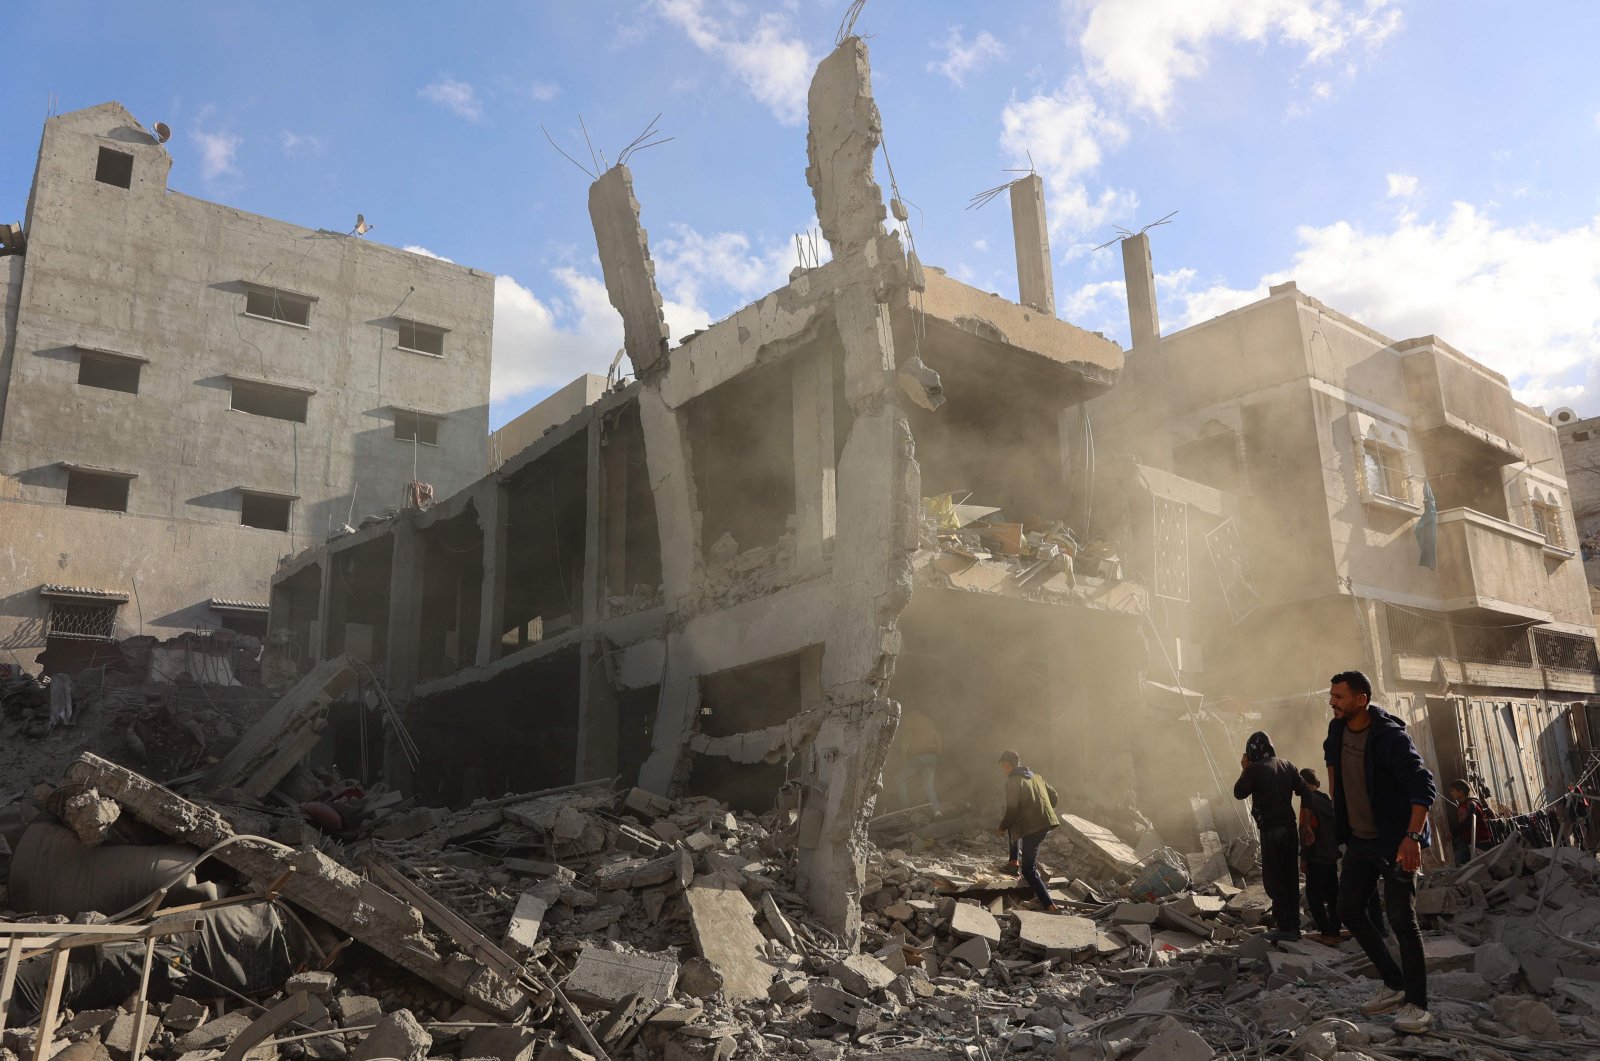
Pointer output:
x,y
189,392
722,577
1308,495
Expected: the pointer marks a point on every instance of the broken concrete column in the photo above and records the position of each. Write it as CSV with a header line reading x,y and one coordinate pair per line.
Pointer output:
x,y
1036,284
844,133
629,273
1140,279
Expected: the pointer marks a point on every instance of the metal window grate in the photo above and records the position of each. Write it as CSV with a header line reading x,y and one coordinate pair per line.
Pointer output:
x,y
1171,548
83,622
1416,633
1491,644
1566,652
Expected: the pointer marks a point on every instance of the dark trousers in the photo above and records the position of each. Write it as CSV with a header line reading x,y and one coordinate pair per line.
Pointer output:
x,y
1363,867
1322,895
1025,852
1280,874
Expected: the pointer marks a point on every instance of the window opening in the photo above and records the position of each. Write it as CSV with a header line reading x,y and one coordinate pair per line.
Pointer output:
x,y
421,338
1383,471
83,622
1546,522
274,305
114,167
265,511
263,399
416,427
87,489
109,372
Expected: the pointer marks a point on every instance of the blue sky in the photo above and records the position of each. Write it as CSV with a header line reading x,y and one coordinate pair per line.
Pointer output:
x,y
1423,166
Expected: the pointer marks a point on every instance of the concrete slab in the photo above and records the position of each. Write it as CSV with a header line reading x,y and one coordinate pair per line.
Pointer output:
x,y
1055,934
725,933
969,920
1101,841
602,978
975,952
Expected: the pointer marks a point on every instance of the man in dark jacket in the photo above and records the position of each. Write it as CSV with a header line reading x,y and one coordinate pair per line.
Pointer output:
x,y
1030,815
1381,795
1272,783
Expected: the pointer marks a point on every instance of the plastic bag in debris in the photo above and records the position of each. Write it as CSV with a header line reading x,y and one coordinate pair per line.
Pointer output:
x,y
248,948
1163,875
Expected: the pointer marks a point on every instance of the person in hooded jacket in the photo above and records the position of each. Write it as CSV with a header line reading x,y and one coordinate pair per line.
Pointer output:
x,y
1272,783
1381,794
1029,817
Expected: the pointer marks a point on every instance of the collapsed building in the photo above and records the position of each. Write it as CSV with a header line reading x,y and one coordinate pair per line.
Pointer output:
x,y
189,392
718,579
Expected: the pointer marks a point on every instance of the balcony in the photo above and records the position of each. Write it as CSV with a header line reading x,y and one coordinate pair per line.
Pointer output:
x,y
1461,407
1490,565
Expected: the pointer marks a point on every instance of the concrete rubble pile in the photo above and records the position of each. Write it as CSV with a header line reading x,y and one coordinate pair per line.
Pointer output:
x,y
585,922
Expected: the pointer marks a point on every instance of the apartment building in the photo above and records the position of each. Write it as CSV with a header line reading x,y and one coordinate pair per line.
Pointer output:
x,y
1379,504
189,392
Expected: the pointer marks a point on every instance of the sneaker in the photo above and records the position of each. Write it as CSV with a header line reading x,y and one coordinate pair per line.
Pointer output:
x,y
1384,1001
1283,935
1013,868
1413,1020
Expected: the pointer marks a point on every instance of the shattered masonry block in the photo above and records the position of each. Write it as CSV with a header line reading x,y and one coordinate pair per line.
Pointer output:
x,y
1055,934
974,952
861,975
522,934
843,1007
407,826
398,1037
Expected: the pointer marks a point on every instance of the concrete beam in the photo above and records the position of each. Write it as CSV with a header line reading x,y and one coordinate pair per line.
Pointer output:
x,y
1139,274
629,273
1036,284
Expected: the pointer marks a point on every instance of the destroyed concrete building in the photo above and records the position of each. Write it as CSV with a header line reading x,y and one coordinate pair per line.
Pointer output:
x,y
719,578
1308,495
188,392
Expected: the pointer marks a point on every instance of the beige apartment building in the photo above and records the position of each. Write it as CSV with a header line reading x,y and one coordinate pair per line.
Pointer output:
x,y
1580,452
189,392
1373,503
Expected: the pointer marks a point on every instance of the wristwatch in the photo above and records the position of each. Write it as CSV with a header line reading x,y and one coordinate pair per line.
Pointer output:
x,y
1415,836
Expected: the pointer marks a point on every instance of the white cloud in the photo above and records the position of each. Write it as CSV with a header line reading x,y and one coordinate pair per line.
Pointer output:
x,y
453,95
1402,185
1142,48
1524,300
963,56
218,153
710,276
544,91
775,66
295,143
426,253
1066,134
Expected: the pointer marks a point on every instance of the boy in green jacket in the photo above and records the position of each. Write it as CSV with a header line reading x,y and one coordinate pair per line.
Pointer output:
x,y
1030,815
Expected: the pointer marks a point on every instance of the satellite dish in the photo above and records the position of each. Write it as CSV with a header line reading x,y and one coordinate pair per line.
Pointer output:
x,y
362,228
163,132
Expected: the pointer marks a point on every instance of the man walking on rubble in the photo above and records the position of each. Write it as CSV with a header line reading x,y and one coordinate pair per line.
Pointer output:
x,y
1030,815
1381,795
1319,856
1272,783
